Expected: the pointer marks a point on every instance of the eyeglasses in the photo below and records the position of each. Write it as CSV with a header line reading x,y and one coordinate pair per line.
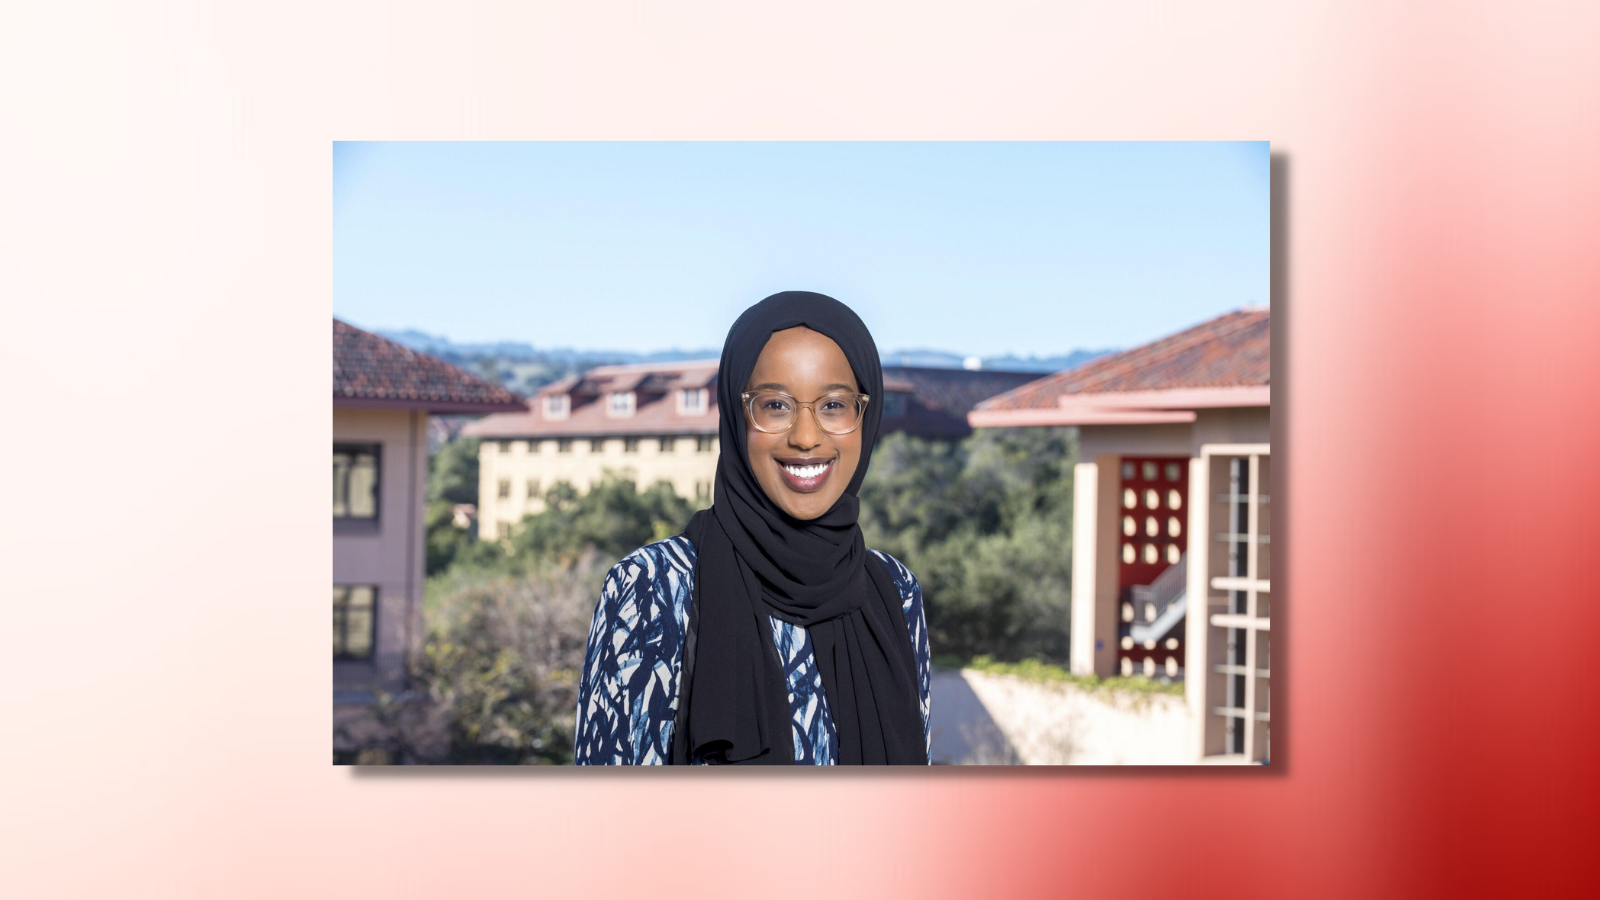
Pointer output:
x,y
775,412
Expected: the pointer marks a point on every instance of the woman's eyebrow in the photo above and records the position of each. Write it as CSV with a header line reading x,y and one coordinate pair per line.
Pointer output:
x,y
774,386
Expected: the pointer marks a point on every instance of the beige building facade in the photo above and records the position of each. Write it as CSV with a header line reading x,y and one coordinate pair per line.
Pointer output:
x,y
647,423
513,474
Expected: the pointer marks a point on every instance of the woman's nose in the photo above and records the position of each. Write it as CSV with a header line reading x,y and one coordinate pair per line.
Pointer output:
x,y
806,433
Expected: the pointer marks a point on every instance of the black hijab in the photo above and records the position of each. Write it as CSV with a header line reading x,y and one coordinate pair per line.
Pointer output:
x,y
755,560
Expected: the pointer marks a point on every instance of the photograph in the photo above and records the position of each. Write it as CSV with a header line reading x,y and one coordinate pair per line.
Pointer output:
x,y
883,387
802,453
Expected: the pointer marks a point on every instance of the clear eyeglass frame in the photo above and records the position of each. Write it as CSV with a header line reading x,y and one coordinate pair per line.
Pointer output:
x,y
749,398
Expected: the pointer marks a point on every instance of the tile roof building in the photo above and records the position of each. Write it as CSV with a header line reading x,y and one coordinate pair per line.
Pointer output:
x,y
375,372
1225,362
647,422
659,421
383,394
1171,548
933,402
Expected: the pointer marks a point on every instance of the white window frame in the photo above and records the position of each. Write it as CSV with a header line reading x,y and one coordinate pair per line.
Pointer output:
x,y
620,404
557,406
701,403
1203,625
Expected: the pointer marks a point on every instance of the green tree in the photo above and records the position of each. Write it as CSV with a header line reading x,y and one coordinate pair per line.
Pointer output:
x,y
986,525
453,472
507,622
452,479
502,659
613,518
497,680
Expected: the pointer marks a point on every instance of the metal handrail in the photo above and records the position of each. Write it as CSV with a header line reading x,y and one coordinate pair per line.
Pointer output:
x,y
1151,602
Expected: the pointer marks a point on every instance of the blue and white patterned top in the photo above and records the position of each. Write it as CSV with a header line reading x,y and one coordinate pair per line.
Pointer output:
x,y
628,693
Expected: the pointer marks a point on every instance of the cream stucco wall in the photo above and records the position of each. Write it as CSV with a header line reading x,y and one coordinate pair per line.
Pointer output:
x,y
687,468
1231,426
1097,483
391,557
982,718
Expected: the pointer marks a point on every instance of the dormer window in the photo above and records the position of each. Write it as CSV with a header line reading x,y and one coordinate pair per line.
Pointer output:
x,y
692,401
620,403
556,406
894,404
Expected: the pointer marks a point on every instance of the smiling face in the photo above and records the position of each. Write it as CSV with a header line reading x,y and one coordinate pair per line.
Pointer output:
x,y
804,470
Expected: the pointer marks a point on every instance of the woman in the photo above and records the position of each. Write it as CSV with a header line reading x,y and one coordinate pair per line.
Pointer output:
x,y
766,633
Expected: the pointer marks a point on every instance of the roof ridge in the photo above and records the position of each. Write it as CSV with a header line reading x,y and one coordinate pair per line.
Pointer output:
x,y
1241,319
663,366
1242,316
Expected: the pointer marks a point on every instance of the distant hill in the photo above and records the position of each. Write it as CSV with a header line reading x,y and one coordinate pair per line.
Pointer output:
x,y
524,368
939,359
517,351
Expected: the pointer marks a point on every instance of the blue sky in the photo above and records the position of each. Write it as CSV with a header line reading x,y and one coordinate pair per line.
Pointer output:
x,y
975,248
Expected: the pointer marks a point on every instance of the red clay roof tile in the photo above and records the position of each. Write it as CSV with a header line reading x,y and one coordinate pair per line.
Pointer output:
x,y
1232,350
372,369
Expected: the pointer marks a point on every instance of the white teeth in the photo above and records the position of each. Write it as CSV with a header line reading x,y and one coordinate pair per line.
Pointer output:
x,y
806,471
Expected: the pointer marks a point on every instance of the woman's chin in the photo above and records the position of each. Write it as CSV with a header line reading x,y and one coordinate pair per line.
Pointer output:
x,y
811,507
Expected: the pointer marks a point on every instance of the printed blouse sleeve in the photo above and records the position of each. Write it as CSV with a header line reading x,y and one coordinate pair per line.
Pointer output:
x,y
627,693
917,622
601,738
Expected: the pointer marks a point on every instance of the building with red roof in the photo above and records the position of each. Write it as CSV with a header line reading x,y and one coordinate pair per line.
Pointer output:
x,y
383,394
652,422
1171,562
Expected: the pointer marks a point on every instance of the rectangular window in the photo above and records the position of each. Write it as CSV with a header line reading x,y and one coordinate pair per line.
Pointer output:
x,y
705,443
504,446
620,403
556,406
692,401
894,405
533,488
564,445
597,446
533,446
355,481
504,488
1231,553
355,619
667,444
630,445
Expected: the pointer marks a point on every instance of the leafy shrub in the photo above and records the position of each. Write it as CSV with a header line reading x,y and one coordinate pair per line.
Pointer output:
x,y
986,524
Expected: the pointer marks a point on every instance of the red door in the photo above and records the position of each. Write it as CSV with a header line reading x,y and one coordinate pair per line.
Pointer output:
x,y
1152,532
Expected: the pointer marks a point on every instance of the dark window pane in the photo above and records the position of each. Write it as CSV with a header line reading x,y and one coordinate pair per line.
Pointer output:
x,y
341,484
355,481
339,597
354,618
364,486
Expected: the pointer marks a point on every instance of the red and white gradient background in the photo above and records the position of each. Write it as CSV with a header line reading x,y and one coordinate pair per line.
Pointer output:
x,y
166,290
